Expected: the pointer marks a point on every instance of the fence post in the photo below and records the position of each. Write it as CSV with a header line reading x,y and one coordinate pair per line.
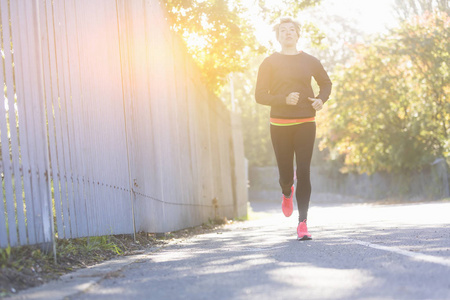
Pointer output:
x,y
127,98
46,195
34,142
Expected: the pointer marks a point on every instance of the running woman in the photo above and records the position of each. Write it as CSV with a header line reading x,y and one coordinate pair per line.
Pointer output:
x,y
284,84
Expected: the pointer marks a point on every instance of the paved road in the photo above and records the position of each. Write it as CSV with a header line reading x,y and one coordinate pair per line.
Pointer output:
x,y
357,252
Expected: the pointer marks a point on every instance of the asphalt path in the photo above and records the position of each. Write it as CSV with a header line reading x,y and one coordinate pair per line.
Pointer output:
x,y
358,251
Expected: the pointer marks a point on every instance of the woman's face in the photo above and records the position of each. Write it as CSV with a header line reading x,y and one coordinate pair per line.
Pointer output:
x,y
287,35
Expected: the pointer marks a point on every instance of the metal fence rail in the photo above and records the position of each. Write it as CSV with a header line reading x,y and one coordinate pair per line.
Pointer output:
x,y
106,127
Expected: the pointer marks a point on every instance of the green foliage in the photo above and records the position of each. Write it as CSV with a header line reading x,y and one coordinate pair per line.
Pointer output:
x,y
83,246
5,255
217,38
392,112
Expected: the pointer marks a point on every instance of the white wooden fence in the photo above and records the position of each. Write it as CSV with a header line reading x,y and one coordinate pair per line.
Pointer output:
x,y
106,127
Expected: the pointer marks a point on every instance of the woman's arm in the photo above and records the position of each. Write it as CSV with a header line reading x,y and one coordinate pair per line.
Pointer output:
x,y
324,82
262,90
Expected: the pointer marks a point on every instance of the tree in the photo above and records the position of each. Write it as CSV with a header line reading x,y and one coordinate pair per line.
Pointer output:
x,y
216,36
392,111
406,9
336,46
220,33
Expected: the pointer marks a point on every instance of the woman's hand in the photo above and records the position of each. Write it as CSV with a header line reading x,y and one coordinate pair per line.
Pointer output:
x,y
317,103
292,98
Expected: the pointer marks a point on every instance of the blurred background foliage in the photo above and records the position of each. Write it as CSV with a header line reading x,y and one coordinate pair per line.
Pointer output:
x,y
392,111
389,109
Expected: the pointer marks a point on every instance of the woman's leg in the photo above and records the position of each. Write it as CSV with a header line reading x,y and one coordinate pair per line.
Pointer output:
x,y
283,146
304,138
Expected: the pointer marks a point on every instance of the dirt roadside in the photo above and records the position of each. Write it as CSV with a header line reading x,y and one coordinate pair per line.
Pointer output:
x,y
27,266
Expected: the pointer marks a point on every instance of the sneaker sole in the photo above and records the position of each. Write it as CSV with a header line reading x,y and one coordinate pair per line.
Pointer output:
x,y
304,238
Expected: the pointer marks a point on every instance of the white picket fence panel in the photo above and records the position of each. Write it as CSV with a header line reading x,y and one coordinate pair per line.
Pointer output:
x,y
106,127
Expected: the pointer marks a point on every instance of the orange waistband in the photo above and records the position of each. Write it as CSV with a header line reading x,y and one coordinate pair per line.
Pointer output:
x,y
286,122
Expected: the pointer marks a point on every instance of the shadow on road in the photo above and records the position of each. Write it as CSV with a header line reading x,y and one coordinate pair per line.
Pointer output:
x,y
261,259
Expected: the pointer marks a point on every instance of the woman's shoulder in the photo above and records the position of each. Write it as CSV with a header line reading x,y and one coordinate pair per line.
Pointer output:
x,y
309,56
268,61
272,57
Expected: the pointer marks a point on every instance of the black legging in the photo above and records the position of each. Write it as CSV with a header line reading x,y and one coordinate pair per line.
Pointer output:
x,y
286,141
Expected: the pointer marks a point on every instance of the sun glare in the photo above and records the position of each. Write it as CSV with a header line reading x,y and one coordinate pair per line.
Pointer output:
x,y
369,16
195,41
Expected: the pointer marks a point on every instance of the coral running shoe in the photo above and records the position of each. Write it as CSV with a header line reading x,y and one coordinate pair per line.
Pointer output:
x,y
287,206
302,232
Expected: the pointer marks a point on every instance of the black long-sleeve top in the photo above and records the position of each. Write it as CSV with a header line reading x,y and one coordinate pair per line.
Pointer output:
x,y
280,74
